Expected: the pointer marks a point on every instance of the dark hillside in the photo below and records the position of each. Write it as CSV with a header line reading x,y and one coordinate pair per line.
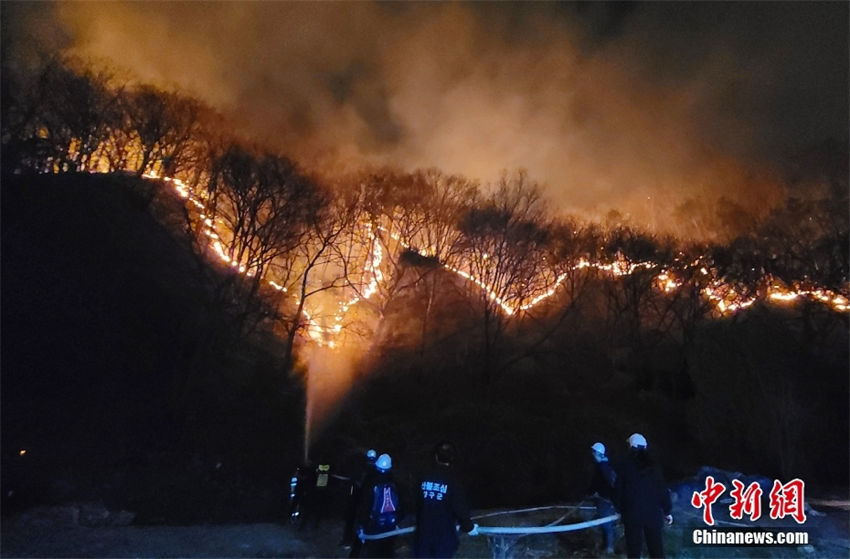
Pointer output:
x,y
100,307
764,385
125,380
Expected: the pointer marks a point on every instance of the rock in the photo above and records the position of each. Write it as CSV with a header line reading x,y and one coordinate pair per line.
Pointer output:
x,y
96,515
92,514
121,518
720,476
50,516
697,483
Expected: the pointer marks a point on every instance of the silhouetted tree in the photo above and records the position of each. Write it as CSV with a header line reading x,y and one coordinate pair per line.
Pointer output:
x,y
412,220
161,125
318,263
263,209
631,296
563,282
502,250
56,119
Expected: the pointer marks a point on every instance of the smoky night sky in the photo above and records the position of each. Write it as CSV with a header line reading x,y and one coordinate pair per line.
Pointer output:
x,y
634,106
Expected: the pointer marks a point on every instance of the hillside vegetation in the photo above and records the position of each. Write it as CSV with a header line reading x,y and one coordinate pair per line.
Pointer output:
x,y
126,378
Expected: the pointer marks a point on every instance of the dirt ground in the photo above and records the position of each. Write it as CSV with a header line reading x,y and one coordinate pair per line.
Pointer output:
x,y
52,532
47,534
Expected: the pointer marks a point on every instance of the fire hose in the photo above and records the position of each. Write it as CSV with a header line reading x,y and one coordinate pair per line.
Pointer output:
x,y
504,530
502,538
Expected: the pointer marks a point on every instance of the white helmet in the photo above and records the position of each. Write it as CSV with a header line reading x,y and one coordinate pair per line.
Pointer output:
x,y
636,440
384,463
598,447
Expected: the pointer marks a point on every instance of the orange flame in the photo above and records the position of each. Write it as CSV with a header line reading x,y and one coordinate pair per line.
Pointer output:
x,y
724,297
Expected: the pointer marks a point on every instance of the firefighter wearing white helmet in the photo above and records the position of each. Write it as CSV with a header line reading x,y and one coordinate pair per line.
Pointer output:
x,y
361,478
637,441
380,509
602,493
384,463
643,499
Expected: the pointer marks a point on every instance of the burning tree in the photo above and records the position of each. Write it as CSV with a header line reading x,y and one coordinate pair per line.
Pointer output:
x,y
265,206
57,117
159,129
445,200
317,264
502,250
413,223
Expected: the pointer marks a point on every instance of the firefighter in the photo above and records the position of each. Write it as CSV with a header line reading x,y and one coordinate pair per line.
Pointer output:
x,y
602,493
319,496
299,485
379,510
441,505
643,500
358,481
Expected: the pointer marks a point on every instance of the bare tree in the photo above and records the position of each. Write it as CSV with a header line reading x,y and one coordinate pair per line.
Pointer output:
x,y
410,220
264,206
261,211
446,199
634,311
162,126
55,120
566,276
317,263
806,239
503,248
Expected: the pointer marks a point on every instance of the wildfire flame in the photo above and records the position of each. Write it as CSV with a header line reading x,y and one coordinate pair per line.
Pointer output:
x,y
725,298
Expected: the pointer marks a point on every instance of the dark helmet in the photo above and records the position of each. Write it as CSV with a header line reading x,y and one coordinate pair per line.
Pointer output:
x,y
444,453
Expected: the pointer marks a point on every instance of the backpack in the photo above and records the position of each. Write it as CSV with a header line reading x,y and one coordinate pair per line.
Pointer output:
x,y
385,508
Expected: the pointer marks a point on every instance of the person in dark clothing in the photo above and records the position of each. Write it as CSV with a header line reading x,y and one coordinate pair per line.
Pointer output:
x,y
359,480
643,500
441,504
317,498
379,510
602,492
299,485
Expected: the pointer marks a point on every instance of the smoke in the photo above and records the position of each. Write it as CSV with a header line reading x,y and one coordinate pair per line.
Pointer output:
x,y
644,108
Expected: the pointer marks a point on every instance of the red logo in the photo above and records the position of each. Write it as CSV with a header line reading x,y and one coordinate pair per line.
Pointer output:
x,y
785,500
706,498
746,501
